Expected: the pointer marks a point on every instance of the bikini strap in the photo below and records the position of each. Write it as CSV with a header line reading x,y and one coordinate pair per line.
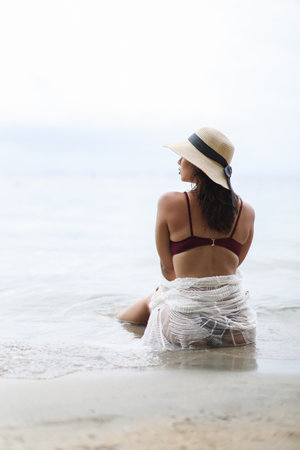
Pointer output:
x,y
237,220
189,211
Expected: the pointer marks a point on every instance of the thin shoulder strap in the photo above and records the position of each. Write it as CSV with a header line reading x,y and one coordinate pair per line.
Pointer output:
x,y
189,211
237,220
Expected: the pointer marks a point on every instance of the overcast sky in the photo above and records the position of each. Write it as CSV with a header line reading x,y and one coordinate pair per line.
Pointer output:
x,y
165,66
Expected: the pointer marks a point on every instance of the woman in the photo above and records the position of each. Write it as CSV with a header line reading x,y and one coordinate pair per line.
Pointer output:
x,y
202,236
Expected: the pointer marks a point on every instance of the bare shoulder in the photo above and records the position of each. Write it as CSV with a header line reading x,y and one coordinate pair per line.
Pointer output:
x,y
248,211
169,200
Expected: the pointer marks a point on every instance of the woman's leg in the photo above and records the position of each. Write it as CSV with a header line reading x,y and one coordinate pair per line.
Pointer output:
x,y
138,313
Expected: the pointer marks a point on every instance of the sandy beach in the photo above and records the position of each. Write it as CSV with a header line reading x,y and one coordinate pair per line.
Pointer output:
x,y
173,408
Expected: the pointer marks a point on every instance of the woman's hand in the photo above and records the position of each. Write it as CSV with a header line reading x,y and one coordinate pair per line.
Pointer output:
x,y
168,273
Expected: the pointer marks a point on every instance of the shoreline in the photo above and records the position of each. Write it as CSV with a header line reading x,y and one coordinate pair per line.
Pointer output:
x,y
246,358
171,408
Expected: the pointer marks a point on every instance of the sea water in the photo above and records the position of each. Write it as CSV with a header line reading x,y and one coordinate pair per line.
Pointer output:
x,y
77,245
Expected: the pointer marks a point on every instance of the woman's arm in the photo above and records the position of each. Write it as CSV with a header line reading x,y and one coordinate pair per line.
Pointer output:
x,y
247,244
246,247
139,312
162,237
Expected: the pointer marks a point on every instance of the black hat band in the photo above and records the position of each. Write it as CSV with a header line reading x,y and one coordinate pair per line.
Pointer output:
x,y
212,154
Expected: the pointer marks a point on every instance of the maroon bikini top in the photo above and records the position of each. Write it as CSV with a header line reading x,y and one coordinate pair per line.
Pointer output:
x,y
196,241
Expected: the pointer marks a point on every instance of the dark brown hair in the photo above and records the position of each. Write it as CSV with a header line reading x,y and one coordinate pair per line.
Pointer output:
x,y
215,201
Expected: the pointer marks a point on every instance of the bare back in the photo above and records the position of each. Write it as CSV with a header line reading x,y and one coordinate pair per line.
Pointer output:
x,y
203,261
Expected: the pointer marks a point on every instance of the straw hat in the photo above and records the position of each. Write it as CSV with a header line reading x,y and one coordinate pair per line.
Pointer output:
x,y
209,150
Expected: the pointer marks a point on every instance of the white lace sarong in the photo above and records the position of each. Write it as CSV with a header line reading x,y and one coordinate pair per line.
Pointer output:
x,y
199,313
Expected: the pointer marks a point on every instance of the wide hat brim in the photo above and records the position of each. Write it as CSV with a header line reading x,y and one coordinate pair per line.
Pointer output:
x,y
212,169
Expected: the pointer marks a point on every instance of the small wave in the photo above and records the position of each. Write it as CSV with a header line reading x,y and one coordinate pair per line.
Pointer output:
x,y
26,360
289,308
276,309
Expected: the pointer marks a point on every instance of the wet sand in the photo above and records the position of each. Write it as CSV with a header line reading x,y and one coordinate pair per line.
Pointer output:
x,y
173,408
